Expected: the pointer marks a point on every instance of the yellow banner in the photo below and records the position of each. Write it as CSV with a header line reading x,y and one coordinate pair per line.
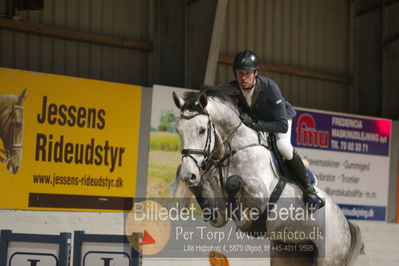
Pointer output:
x,y
67,143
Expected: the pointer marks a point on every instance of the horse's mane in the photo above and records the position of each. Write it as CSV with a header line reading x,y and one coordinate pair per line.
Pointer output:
x,y
6,100
226,94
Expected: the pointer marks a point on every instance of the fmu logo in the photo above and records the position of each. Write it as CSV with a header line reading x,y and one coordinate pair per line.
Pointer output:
x,y
307,134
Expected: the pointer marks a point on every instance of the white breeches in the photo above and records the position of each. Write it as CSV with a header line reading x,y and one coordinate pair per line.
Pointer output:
x,y
283,142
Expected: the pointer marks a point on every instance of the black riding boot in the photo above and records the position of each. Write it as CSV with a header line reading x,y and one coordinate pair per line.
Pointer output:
x,y
310,197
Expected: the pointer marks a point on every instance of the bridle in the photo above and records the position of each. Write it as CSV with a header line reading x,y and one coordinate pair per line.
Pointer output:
x,y
206,152
209,156
16,146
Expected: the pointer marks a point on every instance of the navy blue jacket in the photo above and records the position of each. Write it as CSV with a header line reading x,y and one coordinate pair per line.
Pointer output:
x,y
269,108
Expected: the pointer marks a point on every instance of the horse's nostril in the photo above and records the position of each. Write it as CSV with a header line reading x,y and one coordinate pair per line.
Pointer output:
x,y
193,178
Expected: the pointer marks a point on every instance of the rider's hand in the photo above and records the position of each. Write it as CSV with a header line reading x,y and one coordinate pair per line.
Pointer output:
x,y
248,121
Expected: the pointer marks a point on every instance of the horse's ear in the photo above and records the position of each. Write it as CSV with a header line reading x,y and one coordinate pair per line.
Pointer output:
x,y
178,101
21,98
203,100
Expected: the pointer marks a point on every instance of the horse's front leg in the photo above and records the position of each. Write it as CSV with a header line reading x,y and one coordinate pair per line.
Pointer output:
x,y
207,211
233,186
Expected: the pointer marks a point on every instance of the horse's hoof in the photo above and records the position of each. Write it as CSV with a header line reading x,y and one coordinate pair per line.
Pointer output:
x,y
314,203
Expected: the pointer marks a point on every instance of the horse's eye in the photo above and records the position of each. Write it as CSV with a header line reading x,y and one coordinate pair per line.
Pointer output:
x,y
202,130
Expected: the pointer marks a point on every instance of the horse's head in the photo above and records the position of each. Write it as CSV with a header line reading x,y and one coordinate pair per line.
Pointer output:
x,y
197,135
11,131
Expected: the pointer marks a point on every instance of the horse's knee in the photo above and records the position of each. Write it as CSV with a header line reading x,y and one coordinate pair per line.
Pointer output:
x,y
233,184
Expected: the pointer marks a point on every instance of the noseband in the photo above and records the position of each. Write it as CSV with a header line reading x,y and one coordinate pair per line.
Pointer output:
x,y
8,153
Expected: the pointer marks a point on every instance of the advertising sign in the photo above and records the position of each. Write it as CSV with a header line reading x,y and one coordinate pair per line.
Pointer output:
x,y
350,156
164,154
67,143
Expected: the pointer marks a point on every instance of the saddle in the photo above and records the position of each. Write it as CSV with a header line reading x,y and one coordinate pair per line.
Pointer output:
x,y
280,167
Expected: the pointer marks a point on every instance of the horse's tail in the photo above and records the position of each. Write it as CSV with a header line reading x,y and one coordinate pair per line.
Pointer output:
x,y
357,245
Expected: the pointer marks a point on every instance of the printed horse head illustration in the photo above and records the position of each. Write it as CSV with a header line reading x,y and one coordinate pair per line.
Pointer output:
x,y
12,130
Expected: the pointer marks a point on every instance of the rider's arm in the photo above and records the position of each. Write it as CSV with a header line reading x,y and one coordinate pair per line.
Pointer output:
x,y
280,125
276,102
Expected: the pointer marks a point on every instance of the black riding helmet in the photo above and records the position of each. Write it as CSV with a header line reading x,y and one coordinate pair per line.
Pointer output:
x,y
246,60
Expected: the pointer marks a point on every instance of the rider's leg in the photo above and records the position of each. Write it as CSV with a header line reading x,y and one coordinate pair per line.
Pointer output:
x,y
296,165
309,194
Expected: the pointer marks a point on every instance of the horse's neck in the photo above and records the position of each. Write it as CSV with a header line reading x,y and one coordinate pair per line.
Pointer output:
x,y
228,125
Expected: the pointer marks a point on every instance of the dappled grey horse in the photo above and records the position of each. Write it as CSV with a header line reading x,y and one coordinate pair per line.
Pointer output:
x,y
223,158
11,130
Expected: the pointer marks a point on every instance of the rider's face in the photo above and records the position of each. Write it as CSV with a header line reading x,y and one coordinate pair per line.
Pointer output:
x,y
245,78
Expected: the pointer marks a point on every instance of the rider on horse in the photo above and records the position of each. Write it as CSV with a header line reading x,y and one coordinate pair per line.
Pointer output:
x,y
264,109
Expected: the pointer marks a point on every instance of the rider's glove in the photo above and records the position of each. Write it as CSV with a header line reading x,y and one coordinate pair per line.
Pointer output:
x,y
248,121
